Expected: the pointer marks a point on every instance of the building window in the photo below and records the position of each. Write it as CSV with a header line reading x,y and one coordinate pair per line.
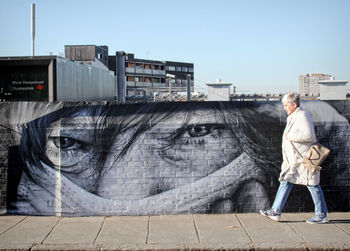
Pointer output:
x,y
178,68
170,68
190,69
184,69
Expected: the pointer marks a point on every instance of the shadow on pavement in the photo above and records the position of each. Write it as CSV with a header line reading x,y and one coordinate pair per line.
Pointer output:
x,y
340,221
292,221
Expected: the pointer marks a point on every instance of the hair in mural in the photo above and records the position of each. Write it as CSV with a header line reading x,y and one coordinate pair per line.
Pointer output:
x,y
152,158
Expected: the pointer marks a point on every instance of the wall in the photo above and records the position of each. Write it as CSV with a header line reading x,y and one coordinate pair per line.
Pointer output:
x,y
76,81
332,90
106,158
218,92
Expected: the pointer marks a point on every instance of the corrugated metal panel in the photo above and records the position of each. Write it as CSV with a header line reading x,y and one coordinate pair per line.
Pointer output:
x,y
77,82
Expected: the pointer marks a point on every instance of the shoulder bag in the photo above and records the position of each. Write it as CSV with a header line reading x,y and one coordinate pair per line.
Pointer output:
x,y
314,157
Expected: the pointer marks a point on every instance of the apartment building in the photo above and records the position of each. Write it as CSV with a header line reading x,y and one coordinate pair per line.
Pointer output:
x,y
144,77
308,85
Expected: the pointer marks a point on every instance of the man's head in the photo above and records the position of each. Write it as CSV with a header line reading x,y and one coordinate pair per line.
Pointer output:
x,y
290,101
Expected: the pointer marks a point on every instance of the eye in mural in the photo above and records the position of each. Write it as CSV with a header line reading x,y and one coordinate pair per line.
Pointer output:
x,y
144,159
60,148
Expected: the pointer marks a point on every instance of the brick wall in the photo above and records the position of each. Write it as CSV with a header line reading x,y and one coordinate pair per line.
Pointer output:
x,y
160,158
3,172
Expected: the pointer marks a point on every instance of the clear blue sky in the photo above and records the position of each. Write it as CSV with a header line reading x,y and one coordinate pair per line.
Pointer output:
x,y
258,45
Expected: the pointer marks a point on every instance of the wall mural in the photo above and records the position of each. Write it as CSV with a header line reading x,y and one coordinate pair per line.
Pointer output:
x,y
104,158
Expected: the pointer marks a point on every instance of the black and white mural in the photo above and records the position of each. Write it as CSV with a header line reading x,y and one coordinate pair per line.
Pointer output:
x,y
82,159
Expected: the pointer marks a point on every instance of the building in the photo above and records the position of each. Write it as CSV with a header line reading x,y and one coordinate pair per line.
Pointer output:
x,y
88,54
308,85
180,70
136,77
144,77
333,89
53,78
218,91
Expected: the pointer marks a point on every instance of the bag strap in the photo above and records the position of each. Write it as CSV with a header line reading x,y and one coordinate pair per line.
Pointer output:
x,y
295,149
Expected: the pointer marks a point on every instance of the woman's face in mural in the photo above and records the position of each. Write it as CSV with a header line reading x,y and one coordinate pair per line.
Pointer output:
x,y
70,149
167,155
170,154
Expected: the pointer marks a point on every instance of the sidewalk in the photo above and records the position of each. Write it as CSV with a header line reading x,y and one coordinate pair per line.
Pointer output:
x,y
174,232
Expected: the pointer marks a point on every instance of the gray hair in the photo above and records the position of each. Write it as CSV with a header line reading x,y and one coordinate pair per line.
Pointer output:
x,y
291,98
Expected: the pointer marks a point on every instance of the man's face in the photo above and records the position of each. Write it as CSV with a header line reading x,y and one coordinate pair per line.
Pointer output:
x,y
289,107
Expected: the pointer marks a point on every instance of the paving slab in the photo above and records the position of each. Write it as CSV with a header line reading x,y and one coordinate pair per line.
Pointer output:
x,y
75,230
342,220
221,228
172,229
121,230
7,222
318,236
33,229
266,233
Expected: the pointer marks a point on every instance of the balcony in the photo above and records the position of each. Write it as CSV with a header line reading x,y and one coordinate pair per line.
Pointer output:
x,y
137,84
129,70
139,70
158,72
145,71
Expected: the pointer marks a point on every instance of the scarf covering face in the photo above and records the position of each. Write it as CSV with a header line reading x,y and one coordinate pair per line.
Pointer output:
x,y
69,199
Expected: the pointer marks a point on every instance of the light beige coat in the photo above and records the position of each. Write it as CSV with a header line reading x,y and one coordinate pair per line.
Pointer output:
x,y
300,130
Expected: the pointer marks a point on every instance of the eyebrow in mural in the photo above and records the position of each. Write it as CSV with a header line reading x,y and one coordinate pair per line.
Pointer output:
x,y
135,159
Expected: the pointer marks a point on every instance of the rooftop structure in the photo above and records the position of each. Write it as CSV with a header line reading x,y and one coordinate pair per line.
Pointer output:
x,y
88,54
218,91
333,89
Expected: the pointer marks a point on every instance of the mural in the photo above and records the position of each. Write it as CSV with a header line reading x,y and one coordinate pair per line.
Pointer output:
x,y
77,159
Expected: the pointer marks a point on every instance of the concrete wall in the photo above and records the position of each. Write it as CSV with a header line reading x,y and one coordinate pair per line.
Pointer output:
x,y
159,158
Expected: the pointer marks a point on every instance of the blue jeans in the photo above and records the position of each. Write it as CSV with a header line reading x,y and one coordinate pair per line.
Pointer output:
x,y
315,191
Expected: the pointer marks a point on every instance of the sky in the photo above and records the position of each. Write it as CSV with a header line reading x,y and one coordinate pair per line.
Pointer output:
x,y
260,46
